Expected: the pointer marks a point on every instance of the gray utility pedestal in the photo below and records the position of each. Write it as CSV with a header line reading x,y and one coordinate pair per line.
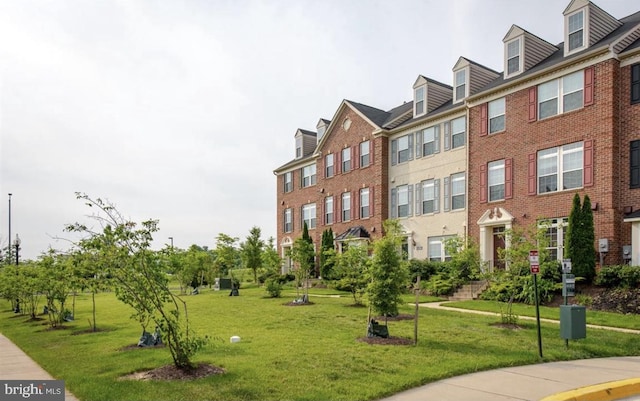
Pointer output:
x,y
573,322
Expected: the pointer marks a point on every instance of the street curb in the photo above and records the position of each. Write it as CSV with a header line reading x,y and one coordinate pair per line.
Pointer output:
x,y
600,392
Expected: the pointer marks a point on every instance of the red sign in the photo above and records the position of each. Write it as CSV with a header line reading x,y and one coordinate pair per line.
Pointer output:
x,y
533,262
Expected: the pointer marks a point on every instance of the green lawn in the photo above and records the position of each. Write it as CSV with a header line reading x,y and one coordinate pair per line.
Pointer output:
x,y
302,352
593,317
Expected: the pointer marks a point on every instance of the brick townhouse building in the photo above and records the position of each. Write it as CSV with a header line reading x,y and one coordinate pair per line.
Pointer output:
x,y
493,151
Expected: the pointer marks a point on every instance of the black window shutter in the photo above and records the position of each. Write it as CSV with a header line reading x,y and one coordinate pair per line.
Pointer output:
x,y
634,160
635,83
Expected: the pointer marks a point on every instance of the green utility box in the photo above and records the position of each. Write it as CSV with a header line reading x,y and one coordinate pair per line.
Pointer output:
x,y
573,322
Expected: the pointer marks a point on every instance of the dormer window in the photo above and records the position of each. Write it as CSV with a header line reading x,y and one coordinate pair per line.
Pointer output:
x,y
514,57
418,102
575,31
298,146
460,85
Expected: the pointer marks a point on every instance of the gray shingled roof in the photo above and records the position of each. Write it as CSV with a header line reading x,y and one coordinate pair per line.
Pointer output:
x,y
377,116
353,232
307,132
558,56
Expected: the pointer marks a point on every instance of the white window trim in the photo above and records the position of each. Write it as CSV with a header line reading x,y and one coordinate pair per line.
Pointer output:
x,y
424,100
496,165
489,116
408,149
344,160
405,190
363,154
520,54
362,203
585,31
327,165
561,225
456,84
560,94
312,175
288,212
346,196
288,182
459,177
328,210
426,184
463,132
559,173
423,133
310,210
440,240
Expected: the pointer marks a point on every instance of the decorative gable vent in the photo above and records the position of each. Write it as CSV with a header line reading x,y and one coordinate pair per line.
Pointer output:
x,y
523,50
585,24
428,95
470,77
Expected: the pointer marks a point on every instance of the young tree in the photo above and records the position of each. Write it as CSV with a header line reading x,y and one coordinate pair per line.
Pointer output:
x,y
303,254
352,267
587,251
581,238
140,282
56,279
251,251
270,258
226,253
389,274
326,262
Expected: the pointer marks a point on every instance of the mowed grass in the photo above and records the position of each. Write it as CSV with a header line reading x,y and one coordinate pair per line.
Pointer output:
x,y
288,352
599,318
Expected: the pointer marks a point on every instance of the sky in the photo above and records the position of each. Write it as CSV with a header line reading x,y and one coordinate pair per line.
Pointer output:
x,y
180,110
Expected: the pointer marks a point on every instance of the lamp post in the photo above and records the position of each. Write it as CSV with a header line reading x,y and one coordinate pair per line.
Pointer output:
x,y
171,239
17,245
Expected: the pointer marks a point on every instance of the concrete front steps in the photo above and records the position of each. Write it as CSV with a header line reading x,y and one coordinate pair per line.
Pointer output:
x,y
472,290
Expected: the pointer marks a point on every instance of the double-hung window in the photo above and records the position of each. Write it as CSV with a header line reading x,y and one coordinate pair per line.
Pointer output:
x,y
496,180
328,165
460,85
288,220
513,57
429,144
288,181
364,203
403,201
428,196
346,206
419,101
561,95
364,154
309,215
560,167
404,148
309,175
437,249
634,164
458,191
575,30
298,147
458,132
346,160
328,210
496,115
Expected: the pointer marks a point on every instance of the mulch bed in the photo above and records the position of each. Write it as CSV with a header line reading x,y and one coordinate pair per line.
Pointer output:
x,y
135,346
170,372
293,303
509,326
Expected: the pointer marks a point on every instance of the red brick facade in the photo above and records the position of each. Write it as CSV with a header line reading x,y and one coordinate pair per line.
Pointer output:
x,y
598,123
374,176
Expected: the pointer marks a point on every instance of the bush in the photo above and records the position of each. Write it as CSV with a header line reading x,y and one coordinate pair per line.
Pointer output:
x,y
624,276
273,287
439,284
423,268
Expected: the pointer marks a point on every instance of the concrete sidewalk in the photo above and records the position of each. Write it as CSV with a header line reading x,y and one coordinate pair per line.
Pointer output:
x,y
532,382
16,365
568,380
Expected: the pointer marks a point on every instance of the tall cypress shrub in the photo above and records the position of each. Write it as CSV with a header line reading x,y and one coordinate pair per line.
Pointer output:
x,y
587,252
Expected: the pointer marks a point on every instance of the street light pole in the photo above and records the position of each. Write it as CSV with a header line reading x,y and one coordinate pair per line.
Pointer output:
x,y
171,239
